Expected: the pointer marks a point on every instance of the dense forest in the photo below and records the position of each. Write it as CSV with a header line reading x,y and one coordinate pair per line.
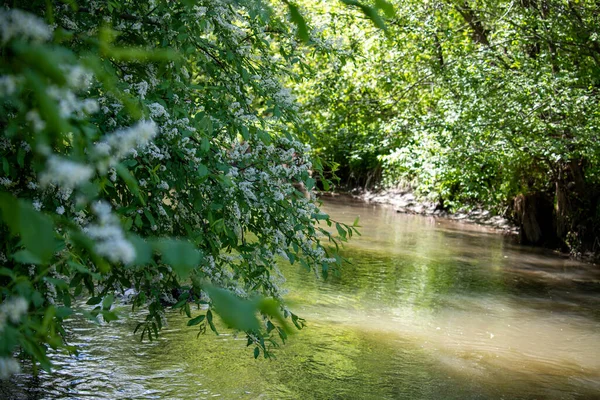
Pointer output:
x,y
487,103
165,147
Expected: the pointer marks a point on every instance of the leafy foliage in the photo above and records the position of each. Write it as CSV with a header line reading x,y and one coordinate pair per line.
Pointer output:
x,y
474,102
150,148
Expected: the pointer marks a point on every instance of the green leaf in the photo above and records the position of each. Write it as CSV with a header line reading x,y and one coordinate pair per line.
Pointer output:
x,y
7,272
235,312
320,216
150,217
181,255
300,22
196,321
63,312
109,316
36,229
129,180
386,7
205,144
143,250
256,352
209,319
202,170
94,300
272,308
26,257
108,301
341,231
370,12
374,16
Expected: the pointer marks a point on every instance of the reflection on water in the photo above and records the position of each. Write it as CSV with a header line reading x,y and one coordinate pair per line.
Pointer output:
x,y
428,309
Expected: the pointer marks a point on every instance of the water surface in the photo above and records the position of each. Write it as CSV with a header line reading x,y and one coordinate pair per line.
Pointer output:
x,y
428,309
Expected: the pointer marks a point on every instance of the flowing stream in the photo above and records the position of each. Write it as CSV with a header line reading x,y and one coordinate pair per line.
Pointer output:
x,y
428,309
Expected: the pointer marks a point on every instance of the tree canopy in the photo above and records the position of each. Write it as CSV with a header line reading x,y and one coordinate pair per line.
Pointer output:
x,y
468,102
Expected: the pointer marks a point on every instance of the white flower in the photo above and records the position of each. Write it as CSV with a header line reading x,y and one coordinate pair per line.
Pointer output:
x,y
285,97
123,141
157,110
200,11
19,24
90,106
102,149
14,309
6,182
8,367
69,105
8,84
162,211
65,173
64,193
109,237
60,210
37,204
163,185
36,121
102,211
77,76
142,88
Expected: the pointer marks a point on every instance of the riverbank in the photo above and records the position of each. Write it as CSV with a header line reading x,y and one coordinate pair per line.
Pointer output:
x,y
404,201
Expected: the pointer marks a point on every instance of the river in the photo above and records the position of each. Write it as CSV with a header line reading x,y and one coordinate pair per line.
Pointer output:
x,y
428,309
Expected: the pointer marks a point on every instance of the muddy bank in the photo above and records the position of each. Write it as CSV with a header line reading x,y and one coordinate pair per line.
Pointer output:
x,y
404,201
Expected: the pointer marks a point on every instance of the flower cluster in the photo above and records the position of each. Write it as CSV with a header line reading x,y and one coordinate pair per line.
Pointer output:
x,y
108,236
17,24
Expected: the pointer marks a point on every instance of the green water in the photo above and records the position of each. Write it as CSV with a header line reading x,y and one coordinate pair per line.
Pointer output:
x,y
428,309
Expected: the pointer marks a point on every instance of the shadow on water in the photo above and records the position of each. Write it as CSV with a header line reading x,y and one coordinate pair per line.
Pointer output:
x,y
428,309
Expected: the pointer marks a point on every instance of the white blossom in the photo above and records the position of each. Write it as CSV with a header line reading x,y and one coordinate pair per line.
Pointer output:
x,y
109,236
65,173
142,88
163,185
112,175
77,76
12,309
157,110
123,141
8,84
8,367
23,25
36,121
90,106
6,182
37,204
